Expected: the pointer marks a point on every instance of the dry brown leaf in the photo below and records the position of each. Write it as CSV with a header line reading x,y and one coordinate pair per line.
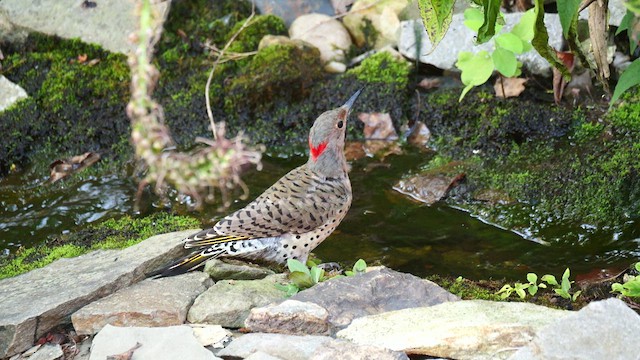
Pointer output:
x,y
63,168
558,80
419,135
82,58
127,355
378,126
509,87
429,83
93,62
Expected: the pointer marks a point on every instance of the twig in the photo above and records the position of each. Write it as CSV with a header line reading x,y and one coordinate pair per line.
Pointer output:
x,y
215,65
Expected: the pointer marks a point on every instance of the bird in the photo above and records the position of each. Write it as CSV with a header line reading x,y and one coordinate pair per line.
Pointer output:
x,y
290,218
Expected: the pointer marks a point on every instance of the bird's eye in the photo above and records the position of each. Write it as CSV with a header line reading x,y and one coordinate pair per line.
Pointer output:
x,y
340,124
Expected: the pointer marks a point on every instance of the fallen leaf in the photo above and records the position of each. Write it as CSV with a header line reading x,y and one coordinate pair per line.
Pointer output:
x,y
93,62
429,83
378,126
428,188
127,355
82,58
509,87
419,135
354,150
63,168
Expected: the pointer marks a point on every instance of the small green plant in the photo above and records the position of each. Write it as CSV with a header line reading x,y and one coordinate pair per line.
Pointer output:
x,y
477,68
631,286
532,286
519,288
305,276
562,289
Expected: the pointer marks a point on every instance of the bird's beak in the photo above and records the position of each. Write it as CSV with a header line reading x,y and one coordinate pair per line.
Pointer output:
x,y
352,100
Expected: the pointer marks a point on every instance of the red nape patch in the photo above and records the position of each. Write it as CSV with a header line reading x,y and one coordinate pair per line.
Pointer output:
x,y
318,150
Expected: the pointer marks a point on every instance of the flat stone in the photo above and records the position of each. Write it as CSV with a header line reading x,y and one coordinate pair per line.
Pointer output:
x,y
159,343
259,355
211,335
460,38
428,188
286,347
152,302
600,330
372,293
48,352
345,350
10,93
228,302
56,291
235,270
289,317
471,329
108,23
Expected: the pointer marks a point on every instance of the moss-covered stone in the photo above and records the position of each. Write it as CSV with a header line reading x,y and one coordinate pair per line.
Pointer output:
x,y
250,37
111,234
383,67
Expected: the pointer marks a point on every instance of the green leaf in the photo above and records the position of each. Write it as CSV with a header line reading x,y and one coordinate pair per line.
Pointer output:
x,y
521,293
575,295
562,293
488,28
476,69
316,274
541,41
360,266
506,288
533,289
289,289
617,287
634,6
532,278
295,265
349,273
566,284
505,62
505,295
568,12
637,266
510,42
436,17
301,279
550,279
629,78
625,22
542,285
525,28
473,18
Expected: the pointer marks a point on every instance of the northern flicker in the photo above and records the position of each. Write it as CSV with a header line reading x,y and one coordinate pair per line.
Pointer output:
x,y
291,217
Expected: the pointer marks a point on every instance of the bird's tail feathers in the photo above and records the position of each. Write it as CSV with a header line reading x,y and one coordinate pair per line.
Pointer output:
x,y
209,239
189,263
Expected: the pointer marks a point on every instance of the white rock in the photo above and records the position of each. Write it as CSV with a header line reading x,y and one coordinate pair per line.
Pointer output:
x,y
460,38
48,352
10,93
162,343
383,16
211,335
323,32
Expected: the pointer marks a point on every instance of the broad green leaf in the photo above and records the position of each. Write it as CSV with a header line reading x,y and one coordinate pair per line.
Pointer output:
x,y
488,29
532,278
360,266
637,266
625,22
505,288
566,284
634,6
617,287
562,293
316,274
476,69
541,41
525,28
505,295
542,285
568,13
301,279
436,17
629,78
550,279
632,288
505,62
521,293
295,265
510,42
289,289
473,18
533,289
349,273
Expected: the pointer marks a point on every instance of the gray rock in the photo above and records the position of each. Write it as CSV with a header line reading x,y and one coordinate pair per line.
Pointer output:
x,y
228,302
473,329
344,350
428,188
372,293
235,270
160,343
617,10
286,347
259,355
10,93
598,331
289,317
152,302
54,292
460,38
109,23
48,352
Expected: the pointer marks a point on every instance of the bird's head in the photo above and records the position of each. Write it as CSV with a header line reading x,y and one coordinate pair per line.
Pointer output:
x,y
326,139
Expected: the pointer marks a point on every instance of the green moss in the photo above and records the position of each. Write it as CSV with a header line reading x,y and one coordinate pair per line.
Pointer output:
x,y
467,289
250,37
383,67
111,234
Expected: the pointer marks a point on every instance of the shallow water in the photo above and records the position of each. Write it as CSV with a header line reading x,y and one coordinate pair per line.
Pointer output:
x,y
382,226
